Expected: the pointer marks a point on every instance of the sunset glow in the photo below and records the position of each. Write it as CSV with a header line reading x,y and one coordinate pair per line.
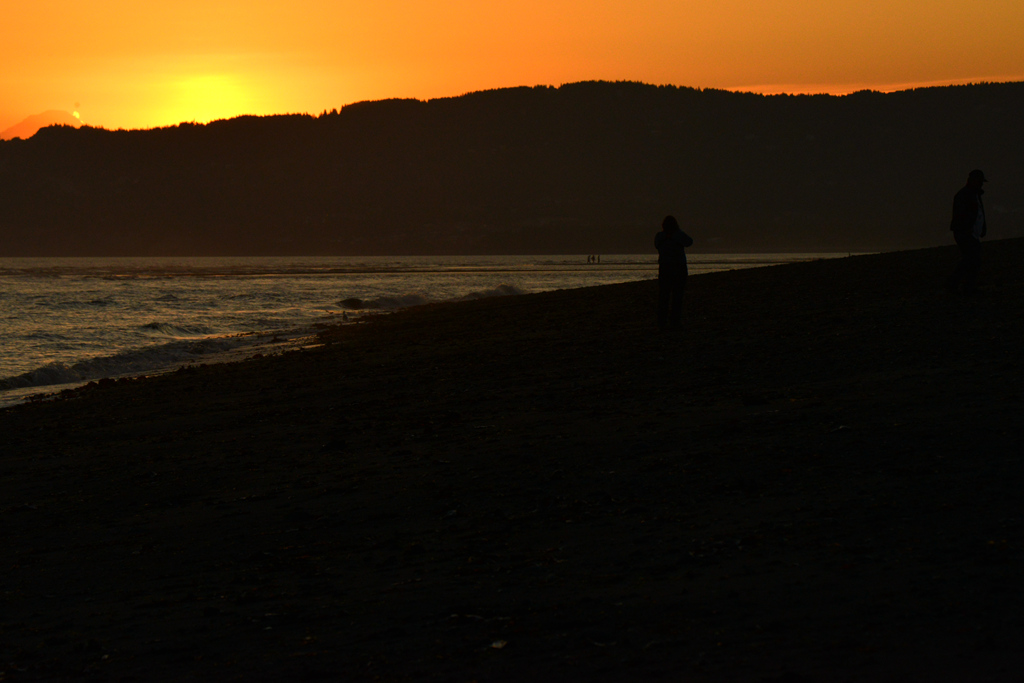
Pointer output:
x,y
205,98
140,65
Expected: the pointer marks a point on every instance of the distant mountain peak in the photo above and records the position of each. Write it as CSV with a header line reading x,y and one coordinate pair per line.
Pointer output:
x,y
28,127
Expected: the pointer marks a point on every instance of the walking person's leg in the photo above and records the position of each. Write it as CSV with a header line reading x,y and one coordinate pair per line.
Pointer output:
x,y
972,265
678,287
966,271
664,298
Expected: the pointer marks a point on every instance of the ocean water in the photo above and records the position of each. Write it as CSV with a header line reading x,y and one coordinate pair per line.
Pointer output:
x,y
68,321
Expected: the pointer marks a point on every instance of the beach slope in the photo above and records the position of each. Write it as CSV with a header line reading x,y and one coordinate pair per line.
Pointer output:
x,y
817,479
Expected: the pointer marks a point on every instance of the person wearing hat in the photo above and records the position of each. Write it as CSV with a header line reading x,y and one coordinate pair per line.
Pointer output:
x,y
968,226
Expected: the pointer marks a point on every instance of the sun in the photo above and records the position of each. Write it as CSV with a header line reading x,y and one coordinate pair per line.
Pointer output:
x,y
207,97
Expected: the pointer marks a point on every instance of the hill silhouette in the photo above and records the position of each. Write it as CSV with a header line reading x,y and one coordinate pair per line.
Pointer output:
x,y
27,128
582,168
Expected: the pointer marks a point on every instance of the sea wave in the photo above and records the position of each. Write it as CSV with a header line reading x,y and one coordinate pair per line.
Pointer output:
x,y
391,303
500,290
386,303
73,305
175,331
140,361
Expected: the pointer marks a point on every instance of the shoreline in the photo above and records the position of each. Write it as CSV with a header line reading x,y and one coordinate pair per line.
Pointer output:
x,y
160,357
262,344
817,479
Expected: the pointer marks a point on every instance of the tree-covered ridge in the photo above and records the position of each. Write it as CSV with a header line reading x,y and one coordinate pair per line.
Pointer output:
x,y
585,167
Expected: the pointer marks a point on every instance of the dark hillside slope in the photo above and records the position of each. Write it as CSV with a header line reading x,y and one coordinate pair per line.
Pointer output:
x,y
587,167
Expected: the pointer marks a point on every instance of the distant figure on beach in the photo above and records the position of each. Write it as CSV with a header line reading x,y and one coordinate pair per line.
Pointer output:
x,y
671,244
968,226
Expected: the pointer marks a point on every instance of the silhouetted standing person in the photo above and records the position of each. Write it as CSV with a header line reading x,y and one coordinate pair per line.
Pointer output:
x,y
671,244
968,226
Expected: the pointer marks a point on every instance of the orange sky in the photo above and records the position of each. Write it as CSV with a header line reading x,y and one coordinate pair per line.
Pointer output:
x,y
132,64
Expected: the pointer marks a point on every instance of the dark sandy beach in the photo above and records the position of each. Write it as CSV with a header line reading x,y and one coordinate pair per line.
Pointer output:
x,y
818,479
